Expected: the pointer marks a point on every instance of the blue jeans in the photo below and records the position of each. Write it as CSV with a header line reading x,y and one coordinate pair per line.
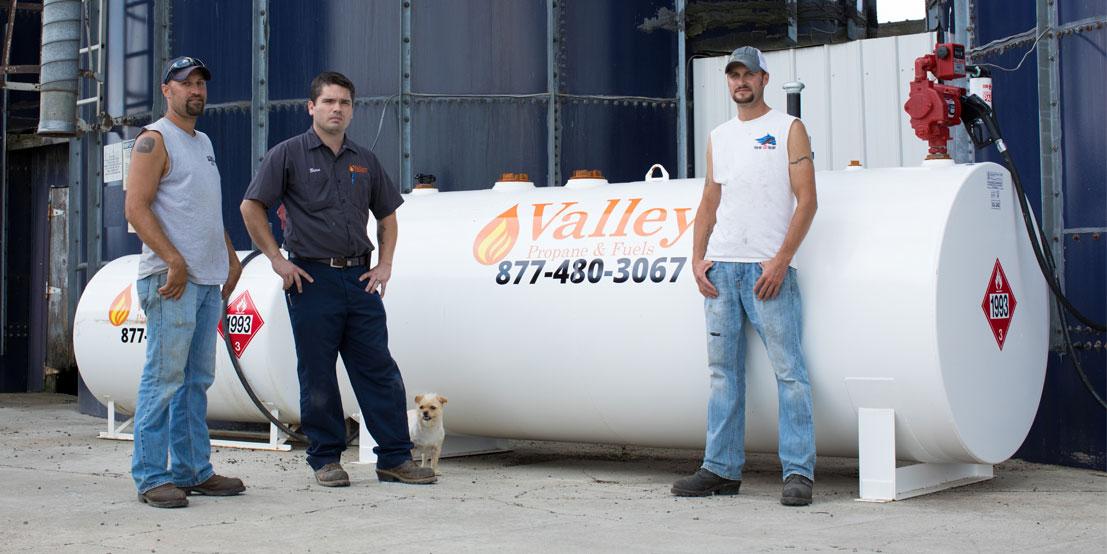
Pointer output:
x,y
334,315
171,412
778,321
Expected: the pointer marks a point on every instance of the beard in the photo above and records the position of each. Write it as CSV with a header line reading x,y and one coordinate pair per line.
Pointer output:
x,y
748,97
194,107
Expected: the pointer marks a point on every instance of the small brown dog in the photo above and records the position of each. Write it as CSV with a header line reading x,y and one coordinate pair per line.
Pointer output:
x,y
424,424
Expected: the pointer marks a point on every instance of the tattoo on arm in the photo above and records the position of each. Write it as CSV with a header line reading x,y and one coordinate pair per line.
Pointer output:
x,y
707,236
800,160
145,145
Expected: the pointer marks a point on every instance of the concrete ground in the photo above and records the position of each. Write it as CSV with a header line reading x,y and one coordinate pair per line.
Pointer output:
x,y
64,490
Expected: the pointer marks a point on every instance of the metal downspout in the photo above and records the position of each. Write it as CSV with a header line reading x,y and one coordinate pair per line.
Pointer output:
x,y
961,32
4,187
1049,127
162,48
553,43
406,180
94,177
61,42
259,91
682,97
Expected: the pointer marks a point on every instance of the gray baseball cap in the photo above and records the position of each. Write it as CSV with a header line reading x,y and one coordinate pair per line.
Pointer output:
x,y
749,57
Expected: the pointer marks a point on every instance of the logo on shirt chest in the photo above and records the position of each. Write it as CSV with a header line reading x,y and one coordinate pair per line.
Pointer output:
x,y
358,169
211,160
767,142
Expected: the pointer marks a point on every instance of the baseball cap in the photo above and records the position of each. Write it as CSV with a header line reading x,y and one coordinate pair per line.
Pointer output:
x,y
179,68
749,57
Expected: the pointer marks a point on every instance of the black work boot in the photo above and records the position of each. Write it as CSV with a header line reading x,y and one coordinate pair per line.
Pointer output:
x,y
705,483
797,490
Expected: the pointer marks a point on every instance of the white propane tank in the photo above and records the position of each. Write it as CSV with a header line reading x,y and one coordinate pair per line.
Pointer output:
x,y
571,313
109,342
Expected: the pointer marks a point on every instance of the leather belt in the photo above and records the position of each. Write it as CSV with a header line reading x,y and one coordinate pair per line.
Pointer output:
x,y
339,263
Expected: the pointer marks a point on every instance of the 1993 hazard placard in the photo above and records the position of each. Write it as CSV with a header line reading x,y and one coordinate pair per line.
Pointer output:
x,y
244,322
999,304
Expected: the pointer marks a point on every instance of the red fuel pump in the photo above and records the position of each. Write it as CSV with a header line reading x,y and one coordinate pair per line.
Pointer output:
x,y
935,107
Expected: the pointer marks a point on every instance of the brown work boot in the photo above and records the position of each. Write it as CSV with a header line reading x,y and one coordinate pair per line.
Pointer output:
x,y
409,473
332,475
164,496
217,485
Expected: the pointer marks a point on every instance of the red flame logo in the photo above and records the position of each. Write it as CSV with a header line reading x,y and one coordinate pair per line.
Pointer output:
x,y
120,307
497,238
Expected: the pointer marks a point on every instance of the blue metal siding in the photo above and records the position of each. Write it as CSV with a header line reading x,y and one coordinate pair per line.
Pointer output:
x,y
219,34
356,38
607,54
621,140
997,19
1075,10
468,143
1070,428
1084,132
478,47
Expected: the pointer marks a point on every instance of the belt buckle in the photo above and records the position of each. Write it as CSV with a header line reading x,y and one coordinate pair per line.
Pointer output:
x,y
341,265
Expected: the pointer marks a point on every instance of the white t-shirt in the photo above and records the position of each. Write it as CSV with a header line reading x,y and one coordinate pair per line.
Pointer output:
x,y
750,160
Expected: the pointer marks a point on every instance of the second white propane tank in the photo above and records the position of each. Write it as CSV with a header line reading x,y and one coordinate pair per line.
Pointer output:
x,y
571,313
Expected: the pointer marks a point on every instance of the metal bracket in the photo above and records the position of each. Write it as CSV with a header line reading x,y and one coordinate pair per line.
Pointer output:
x,y
880,479
277,439
453,445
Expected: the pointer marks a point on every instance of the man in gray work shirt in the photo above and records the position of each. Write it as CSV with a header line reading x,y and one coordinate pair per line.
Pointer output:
x,y
174,202
329,184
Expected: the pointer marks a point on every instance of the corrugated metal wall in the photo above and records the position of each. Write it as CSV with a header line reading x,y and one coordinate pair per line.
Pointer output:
x,y
852,100
478,86
1057,134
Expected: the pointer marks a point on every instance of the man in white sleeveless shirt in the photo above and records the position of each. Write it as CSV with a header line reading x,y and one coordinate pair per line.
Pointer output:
x,y
758,203
174,202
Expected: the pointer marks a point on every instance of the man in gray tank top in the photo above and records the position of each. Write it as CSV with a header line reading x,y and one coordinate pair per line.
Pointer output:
x,y
174,202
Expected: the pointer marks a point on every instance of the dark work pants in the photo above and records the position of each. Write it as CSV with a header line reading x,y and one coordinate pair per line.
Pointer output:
x,y
332,316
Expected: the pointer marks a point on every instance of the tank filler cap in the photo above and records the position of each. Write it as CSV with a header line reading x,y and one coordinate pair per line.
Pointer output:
x,y
425,184
854,165
513,181
586,178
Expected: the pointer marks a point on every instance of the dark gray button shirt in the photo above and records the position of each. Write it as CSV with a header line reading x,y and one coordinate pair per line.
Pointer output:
x,y
327,198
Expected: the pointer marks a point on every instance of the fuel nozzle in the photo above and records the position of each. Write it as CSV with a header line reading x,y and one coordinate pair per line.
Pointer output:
x,y
980,122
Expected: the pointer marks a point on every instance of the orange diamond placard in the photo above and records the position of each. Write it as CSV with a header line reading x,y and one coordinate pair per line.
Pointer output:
x,y
244,322
999,304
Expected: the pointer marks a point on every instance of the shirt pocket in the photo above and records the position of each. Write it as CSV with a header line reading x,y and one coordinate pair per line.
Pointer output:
x,y
313,192
360,191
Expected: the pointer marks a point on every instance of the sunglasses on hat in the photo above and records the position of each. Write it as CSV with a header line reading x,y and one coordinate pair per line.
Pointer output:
x,y
182,63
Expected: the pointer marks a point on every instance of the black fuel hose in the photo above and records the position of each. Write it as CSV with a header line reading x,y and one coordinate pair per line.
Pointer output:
x,y
238,368
976,113
246,383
